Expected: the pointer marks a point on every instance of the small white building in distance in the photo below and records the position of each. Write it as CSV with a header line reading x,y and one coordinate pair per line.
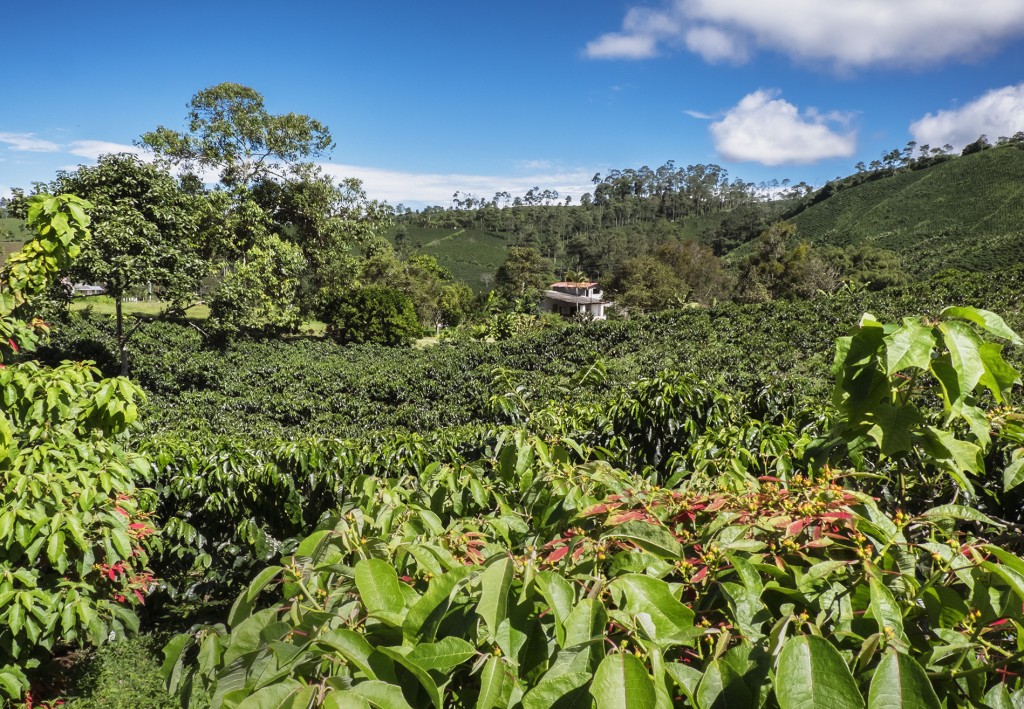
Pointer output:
x,y
571,299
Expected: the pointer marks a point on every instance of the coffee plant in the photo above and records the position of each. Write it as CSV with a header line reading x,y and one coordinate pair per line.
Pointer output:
x,y
75,530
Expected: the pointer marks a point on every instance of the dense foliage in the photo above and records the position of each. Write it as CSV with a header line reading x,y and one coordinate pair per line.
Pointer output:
x,y
727,567
75,529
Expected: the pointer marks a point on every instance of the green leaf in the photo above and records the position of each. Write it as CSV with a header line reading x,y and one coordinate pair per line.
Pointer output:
x,y
380,590
495,583
274,696
442,655
1013,475
560,597
424,677
964,347
899,682
495,684
959,513
621,681
243,605
722,687
671,620
999,376
380,694
812,673
561,692
892,427
885,609
909,346
357,650
425,615
988,321
957,456
652,537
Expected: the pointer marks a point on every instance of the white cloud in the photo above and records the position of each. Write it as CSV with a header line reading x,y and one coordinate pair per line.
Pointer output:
x,y
92,149
766,129
622,46
715,45
844,33
997,113
415,189
27,142
699,115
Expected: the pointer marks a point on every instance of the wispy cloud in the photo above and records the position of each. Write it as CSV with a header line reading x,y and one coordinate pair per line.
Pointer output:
x,y
421,188
846,33
27,142
92,149
414,189
767,129
999,112
699,115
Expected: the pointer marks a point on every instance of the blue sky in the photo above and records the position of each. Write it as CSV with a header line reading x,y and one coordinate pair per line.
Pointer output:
x,y
428,97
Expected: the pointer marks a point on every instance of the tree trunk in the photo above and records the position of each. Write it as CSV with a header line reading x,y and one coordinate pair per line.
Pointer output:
x,y
122,343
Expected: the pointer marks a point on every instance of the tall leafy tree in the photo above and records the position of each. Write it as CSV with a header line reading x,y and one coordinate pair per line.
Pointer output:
x,y
231,132
274,197
147,233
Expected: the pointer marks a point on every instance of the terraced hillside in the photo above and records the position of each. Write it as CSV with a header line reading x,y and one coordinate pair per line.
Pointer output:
x,y
965,213
467,253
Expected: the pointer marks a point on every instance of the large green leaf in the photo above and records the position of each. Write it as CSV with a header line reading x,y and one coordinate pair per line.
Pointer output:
x,y
400,656
442,655
999,376
892,426
885,609
565,691
652,537
356,649
622,681
425,615
900,683
722,687
964,347
496,683
1013,475
910,346
495,583
277,696
812,673
380,590
380,694
670,619
988,320
560,597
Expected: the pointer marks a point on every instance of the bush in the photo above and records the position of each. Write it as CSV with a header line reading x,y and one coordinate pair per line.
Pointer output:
x,y
374,314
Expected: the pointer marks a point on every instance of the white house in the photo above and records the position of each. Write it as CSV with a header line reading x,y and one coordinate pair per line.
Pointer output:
x,y
83,289
572,299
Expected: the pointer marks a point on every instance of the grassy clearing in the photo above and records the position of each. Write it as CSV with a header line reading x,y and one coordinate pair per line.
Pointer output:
x,y
104,305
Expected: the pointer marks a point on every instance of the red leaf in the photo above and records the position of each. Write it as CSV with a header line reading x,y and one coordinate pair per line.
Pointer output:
x,y
630,516
700,575
556,555
796,527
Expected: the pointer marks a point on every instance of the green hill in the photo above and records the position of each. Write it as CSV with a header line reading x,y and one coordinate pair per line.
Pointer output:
x,y
967,213
467,253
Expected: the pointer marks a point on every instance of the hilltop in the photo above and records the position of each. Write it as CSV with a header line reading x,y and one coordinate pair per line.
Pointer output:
x,y
965,213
